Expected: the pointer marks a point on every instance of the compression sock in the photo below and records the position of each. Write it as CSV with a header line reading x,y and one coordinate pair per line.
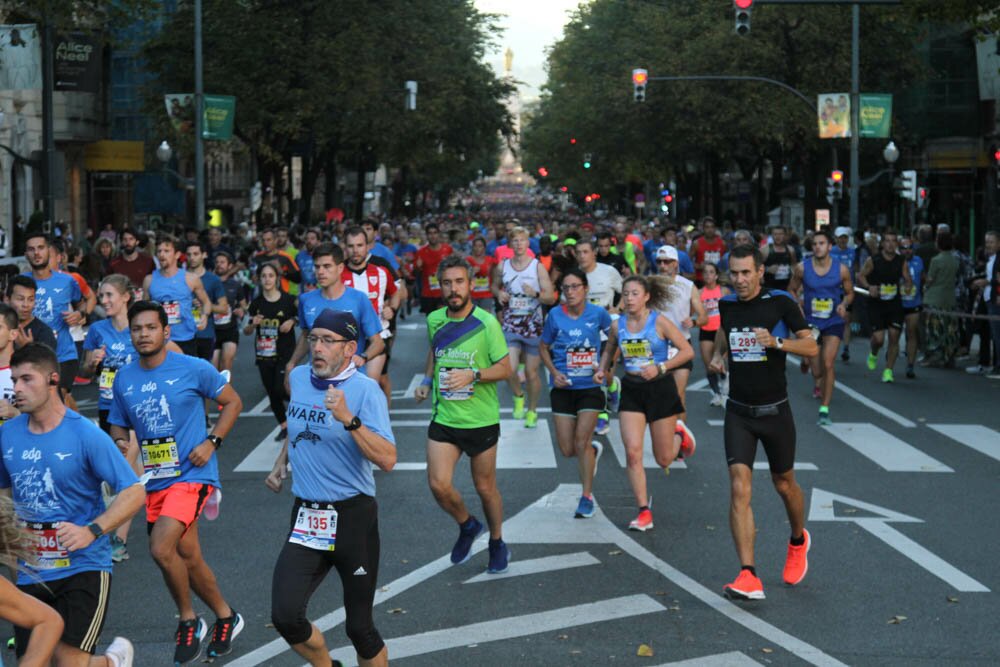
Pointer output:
x,y
713,381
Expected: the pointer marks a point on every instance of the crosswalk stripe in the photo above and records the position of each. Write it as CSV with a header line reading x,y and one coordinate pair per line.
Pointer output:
x,y
731,659
884,449
414,383
984,440
648,460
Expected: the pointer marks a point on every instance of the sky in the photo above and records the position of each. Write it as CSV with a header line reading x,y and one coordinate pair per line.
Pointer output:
x,y
531,26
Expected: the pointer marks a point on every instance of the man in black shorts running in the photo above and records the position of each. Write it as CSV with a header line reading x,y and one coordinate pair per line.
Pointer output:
x,y
756,325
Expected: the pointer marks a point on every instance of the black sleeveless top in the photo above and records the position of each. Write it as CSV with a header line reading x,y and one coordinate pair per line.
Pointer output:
x,y
783,260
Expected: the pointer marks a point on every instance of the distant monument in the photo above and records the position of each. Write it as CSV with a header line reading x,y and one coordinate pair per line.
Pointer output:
x,y
510,168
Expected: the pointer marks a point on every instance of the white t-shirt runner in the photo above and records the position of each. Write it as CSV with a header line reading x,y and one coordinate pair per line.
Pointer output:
x,y
603,283
679,308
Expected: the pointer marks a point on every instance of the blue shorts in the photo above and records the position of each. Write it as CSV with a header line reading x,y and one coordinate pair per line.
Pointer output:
x,y
523,343
835,330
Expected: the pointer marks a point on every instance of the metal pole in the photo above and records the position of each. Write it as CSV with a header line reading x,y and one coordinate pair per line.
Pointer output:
x,y
855,111
199,120
48,130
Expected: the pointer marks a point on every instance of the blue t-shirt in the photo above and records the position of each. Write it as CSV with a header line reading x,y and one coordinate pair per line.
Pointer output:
x,y
55,296
401,249
575,343
119,352
913,297
176,298
311,304
684,263
845,257
213,287
821,295
380,250
327,465
307,267
141,403
56,476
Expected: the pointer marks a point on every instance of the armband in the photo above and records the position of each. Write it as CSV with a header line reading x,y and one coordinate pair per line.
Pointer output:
x,y
427,382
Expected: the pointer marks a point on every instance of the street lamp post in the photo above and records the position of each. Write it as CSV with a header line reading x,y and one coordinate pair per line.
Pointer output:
x,y
890,154
163,153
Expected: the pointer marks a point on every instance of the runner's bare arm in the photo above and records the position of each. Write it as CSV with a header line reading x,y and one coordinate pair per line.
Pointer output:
x,y
125,505
25,611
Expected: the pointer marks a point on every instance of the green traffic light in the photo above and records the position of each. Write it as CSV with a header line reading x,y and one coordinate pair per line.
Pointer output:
x,y
586,165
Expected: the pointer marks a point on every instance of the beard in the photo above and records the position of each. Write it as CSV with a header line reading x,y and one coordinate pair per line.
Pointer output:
x,y
464,301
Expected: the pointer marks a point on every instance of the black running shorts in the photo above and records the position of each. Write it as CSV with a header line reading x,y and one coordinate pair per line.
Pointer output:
x,y
472,441
656,399
571,402
81,600
776,432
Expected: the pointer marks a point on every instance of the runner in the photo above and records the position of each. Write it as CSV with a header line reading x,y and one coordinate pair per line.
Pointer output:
x,y
707,249
521,286
162,398
227,330
827,293
482,287
336,518
133,262
21,295
205,338
53,463
468,356
912,296
645,338
270,252
175,290
779,258
9,333
755,321
272,321
377,283
843,253
710,295
881,275
41,623
427,259
684,298
570,349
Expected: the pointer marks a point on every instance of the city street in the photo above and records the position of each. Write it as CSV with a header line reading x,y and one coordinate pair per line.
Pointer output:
x,y
898,493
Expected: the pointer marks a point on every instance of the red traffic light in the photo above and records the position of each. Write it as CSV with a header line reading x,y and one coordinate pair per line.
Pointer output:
x,y
743,4
640,77
996,156
588,199
668,198
923,193
564,189
543,172
837,176
572,140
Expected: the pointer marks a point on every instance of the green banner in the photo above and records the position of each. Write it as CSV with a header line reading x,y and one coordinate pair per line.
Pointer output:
x,y
875,115
220,110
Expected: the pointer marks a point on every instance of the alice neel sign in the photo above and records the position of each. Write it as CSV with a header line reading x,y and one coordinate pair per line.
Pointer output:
x,y
875,116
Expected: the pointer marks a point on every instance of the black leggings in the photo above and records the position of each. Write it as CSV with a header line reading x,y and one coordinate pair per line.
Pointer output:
x,y
300,570
272,376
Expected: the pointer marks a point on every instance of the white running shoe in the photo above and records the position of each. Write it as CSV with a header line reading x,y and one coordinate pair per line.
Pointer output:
x,y
716,401
120,653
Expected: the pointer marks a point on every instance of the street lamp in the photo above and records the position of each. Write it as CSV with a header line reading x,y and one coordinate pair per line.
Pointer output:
x,y
890,153
163,153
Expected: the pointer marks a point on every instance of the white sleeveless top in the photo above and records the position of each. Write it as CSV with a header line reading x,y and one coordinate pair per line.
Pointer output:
x,y
523,314
679,308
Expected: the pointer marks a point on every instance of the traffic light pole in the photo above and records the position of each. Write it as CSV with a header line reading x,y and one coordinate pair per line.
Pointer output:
x,y
760,79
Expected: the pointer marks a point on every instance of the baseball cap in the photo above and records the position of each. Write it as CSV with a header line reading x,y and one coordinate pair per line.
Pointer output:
x,y
842,231
666,252
339,322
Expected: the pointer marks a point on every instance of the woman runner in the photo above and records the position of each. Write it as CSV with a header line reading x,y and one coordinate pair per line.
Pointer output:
x,y
710,293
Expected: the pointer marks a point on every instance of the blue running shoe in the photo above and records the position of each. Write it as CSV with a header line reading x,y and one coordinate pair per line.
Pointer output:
x,y
614,395
499,557
603,424
467,534
585,509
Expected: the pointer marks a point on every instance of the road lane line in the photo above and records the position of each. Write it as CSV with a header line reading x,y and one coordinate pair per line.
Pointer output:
x,y
984,440
261,459
258,409
414,383
520,568
884,449
732,659
511,627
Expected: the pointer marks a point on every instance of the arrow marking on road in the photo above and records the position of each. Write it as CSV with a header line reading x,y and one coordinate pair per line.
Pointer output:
x,y
821,509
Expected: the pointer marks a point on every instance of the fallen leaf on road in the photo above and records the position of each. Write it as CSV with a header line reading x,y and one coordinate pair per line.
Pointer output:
x,y
562,637
709,527
645,650
397,610
850,510
384,589
953,599
575,652
896,620
767,650
616,552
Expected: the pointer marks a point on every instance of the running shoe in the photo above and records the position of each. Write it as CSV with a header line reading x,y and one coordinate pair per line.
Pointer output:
x,y
190,635
746,587
824,416
120,653
519,407
531,419
499,557
80,382
603,424
614,395
977,370
223,634
872,361
797,560
598,450
845,356
717,400
119,552
816,392
467,534
643,522
887,375
910,373
688,443
585,508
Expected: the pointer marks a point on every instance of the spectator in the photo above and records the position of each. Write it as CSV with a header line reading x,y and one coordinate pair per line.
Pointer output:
x,y
939,295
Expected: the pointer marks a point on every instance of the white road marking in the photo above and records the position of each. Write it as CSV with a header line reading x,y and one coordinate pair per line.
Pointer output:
x,y
732,659
699,385
519,447
984,440
520,568
716,422
414,383
259,409
821,508
410,465
884,449
511,627
261,458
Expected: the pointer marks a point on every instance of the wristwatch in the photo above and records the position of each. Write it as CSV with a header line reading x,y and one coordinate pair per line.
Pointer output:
x,y
476,376
95,529
779,343
215,440
354,424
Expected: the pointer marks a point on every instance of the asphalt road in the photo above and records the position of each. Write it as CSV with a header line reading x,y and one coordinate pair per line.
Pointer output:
x,y
901,500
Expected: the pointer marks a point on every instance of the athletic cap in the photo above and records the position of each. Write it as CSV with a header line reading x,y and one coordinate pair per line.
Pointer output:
x,y
339,322
842,231
666,252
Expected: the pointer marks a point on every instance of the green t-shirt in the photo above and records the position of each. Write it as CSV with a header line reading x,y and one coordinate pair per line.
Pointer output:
x,y
474,342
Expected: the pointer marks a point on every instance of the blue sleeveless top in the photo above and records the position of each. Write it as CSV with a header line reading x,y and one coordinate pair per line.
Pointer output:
x,y
643,348
913,297
175,296
822,295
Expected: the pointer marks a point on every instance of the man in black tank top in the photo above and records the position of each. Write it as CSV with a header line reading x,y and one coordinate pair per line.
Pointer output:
x,y
779,259
881,276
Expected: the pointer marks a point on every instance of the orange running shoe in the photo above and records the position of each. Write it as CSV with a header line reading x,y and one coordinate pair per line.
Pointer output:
x,y
797,560
688,443
746,587
642,522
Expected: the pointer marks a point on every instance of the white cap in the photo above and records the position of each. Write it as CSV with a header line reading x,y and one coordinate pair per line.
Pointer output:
x,y
842,231
666,252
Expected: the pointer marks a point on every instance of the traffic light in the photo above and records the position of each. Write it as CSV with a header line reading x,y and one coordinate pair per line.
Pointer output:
x,y
543,172
640,78
996,162
837,177
908,185
743,9
572,140
586,160
923,194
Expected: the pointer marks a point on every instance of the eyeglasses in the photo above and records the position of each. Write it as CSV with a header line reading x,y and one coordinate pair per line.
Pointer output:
x,y
571,287
326,340
665,261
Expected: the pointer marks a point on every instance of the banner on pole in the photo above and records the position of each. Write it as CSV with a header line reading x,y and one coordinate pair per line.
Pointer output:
x,y
220,111
20,57
77,63
834,115
875,118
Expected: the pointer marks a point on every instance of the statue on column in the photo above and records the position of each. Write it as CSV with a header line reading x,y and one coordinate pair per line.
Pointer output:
x,y
508,61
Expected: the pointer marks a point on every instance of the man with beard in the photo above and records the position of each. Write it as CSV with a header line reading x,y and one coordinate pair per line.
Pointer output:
x,y
175,289
468,357
219,305
377,283
133,263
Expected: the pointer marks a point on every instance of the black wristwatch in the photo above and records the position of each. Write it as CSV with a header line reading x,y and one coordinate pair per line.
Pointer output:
x,y
477,377
95,529
215,440
354,424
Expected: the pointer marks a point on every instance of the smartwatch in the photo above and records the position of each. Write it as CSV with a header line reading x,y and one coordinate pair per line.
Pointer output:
x,y
215,440
354,424
95,529
476,376
779,343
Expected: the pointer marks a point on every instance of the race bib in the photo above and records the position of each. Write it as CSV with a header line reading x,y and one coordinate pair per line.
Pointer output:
x,y
909,293
51,555
267,346
315,528
196,309
887,292
521,305
783,272
744,346
106,381
223,318
173,311
638,354
822,308
159,457
580,361
463,394
432,282
481,284
712,257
